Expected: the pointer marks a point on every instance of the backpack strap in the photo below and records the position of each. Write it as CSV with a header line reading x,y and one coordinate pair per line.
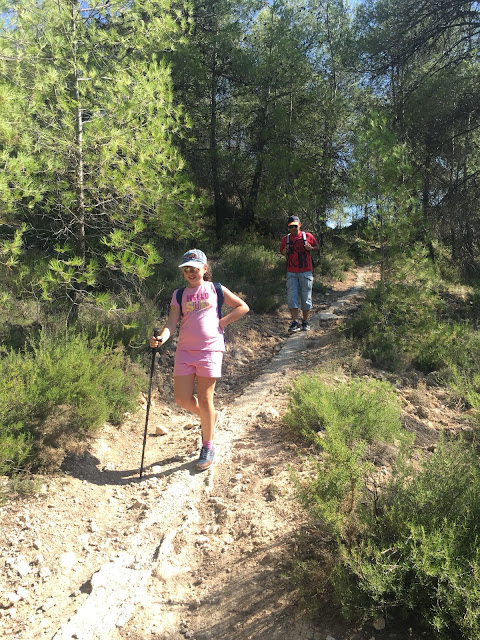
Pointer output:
x,y
179,299
220,298
304,238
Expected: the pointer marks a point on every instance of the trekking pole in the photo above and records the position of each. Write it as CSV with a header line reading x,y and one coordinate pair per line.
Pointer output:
x,y
156,333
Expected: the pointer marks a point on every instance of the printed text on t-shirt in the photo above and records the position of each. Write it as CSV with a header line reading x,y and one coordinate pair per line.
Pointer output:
x,y
196,302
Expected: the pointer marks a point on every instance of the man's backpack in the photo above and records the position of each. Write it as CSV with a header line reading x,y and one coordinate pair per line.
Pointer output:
x,y
304,238
220,298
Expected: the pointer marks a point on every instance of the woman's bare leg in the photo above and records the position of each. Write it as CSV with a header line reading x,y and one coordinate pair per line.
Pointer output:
x,y
202,405
183,390
205,391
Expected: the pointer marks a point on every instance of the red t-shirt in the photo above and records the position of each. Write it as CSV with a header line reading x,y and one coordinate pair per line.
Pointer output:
x,y
298,258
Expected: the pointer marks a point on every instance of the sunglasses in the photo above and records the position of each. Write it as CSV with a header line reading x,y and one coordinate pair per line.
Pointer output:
x,y
293,226
184,269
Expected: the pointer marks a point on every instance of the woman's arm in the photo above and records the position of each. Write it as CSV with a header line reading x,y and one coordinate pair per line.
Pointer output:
x,y
239,308
168,329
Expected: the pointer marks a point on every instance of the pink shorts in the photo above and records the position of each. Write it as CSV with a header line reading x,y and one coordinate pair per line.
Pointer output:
x,y
206,364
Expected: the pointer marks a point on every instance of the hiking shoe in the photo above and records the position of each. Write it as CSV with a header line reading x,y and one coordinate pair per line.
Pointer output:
x,y
305,326
294,327
206,458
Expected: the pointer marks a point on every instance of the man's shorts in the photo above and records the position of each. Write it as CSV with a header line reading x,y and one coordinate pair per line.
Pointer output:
x,y
299,284
206,364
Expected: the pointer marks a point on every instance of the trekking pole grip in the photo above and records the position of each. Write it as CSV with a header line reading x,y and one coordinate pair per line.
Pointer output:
x,y
156,333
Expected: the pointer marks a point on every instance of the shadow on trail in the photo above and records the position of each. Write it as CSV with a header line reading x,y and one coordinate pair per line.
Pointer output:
x,y
257,602
88,468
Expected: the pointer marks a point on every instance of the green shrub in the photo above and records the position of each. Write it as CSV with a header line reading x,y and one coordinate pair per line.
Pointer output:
x,y
20,319
446,346
57,393
362,409
408,321
121,320
385,350
420,551
398,325
318,286
128,318
474,305
168,277
332,264
362,252
127,309
255,272
391,322
408,546
15,448
342,421
465,384
22,484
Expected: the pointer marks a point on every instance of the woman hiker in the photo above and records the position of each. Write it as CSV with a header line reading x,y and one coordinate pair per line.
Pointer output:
x,y
201,344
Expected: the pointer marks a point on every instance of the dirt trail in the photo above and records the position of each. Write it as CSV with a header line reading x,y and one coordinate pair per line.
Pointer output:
x,y
207,560
100,554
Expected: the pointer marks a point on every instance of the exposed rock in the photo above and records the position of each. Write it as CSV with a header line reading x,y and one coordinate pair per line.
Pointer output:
x,y
160,430
379,624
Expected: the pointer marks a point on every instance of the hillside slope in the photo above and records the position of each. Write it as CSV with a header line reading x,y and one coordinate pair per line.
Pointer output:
x,y
101,553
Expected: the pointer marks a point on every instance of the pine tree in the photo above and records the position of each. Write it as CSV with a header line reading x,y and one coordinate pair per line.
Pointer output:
x,y
88,139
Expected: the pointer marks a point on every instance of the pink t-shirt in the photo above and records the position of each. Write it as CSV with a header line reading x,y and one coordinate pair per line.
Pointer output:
x,y
199,329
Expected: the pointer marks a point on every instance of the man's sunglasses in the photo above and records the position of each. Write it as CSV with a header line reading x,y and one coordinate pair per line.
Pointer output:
x,y
293,226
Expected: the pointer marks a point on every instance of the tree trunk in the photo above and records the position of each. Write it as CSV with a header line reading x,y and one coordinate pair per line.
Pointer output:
x,y
213,145
249,217
74,293
249,214
426,209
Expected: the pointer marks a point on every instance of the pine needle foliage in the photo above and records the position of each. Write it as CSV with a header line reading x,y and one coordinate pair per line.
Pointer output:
x,y
89,143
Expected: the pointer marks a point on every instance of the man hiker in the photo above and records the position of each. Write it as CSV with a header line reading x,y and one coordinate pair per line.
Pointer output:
x,y
297,246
